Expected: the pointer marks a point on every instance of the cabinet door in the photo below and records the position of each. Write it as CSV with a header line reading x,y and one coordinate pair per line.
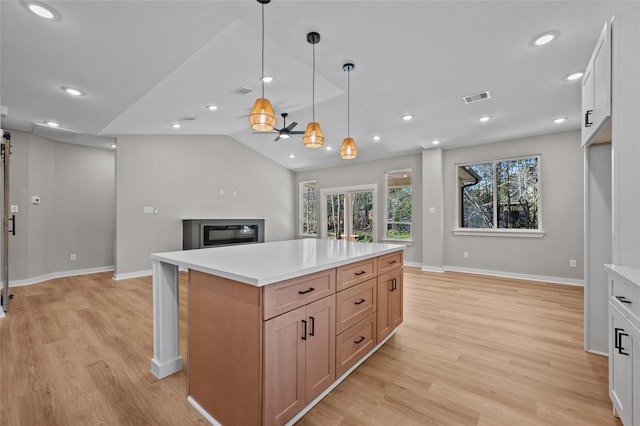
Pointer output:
x,y
621,353
284,363
602,76
389,303
587,104
320,346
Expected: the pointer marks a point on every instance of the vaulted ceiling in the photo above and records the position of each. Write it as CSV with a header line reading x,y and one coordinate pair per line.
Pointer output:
x,y
144,65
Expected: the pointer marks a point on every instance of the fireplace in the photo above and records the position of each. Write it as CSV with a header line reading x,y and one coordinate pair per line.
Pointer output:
x,y
205,233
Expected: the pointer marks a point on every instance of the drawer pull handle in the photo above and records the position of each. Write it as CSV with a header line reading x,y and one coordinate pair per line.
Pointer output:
x,y
359,301
360,273
357,342
306,291
394,284
391,262
587,115
623,299
304,330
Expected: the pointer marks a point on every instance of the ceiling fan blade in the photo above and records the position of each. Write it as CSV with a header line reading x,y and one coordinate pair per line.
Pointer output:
x,y
277,138
291,126
296,132
266,133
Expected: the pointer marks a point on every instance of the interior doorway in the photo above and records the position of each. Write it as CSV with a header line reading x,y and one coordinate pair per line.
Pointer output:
x,y
349,213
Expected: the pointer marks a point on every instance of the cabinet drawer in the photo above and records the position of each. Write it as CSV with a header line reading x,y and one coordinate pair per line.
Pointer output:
x,y
290,294
355,304
389,261
354,343
626,297
354,273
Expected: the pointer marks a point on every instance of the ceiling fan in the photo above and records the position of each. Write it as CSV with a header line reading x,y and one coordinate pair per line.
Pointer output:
x,y
286,131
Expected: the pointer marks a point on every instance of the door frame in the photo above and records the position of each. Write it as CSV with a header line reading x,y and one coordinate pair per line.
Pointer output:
x,y
346,190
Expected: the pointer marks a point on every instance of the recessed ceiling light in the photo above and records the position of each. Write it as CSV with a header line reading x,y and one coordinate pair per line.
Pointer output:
x,y
176,125
545,38
41,10
436,142
71,91
407,117
268,78
292,156
574,76
377,138
329,148
484,119
212,107
113,145
560,120
52,124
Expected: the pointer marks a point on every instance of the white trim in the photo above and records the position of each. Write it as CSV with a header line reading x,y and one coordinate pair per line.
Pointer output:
x,y
301,185
61,274
529,277
427,268
202,411
385,202
591,351
127,275
413,264
513,233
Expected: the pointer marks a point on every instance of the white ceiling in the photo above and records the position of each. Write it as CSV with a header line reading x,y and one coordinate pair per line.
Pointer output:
x,y
146,64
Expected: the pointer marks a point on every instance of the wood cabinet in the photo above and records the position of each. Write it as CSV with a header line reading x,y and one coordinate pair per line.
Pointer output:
x,y
596,92
261,355
299,351
624,346
389,302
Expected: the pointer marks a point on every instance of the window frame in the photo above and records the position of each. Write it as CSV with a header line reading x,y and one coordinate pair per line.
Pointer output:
x,y
301,218
385,202
497,232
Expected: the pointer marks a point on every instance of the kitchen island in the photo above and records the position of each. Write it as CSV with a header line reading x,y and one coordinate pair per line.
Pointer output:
x,y
273,327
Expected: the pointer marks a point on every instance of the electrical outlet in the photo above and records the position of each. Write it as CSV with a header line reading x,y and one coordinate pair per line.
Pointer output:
x,y
572,263
73,256
14,208
465,254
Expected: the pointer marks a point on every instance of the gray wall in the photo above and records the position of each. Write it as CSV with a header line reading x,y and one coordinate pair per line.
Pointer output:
x,y
183,176
76,186
373,173
562,211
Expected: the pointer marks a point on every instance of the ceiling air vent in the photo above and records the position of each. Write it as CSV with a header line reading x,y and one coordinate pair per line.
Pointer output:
x,y
241,91
477,97
187,119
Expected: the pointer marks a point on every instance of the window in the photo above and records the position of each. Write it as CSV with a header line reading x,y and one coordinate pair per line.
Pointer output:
x,y
398,205
308,208
500,195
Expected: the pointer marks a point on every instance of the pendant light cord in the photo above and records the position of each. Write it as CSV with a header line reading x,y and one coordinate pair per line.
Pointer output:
x,y
313,86
348,102
262,76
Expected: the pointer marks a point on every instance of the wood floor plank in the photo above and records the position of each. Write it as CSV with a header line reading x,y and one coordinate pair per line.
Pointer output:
x,y
473,350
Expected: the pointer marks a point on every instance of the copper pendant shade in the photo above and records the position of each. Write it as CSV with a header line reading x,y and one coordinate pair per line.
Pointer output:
x,y
313,136
348,150
262,118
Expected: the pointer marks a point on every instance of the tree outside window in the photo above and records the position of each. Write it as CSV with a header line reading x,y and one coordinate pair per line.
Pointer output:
x,y
308,208
500,194
398,204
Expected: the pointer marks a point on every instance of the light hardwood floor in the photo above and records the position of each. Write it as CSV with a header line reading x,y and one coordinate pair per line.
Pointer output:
x,y
472,350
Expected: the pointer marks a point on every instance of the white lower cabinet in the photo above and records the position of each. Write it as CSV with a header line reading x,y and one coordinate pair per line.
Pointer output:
x,y
623,354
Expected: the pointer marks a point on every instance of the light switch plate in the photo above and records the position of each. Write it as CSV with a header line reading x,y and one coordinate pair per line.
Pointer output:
x,y
14,208
148,210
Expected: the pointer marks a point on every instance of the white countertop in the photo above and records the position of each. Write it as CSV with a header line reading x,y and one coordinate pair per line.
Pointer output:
x,y
268,263
628,273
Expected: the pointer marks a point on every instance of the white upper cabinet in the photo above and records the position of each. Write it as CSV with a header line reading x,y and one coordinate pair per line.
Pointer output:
x,y
596,92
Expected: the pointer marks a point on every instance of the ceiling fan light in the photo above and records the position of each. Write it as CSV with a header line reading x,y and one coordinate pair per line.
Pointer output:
x,y
348,150
262,117
313,136
284,135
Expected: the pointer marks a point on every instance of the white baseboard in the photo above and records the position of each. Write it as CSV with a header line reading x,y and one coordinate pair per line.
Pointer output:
x,y
554,280
414,264
62,274
127,275
591,351
432,268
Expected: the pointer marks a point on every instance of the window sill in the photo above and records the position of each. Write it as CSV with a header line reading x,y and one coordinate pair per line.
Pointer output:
x,y
397,241
513,233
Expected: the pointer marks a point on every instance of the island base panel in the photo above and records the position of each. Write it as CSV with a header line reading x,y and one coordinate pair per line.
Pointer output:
x,y
225,348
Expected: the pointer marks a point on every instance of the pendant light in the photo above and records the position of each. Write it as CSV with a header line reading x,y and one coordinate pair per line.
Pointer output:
x,y
262,117
348,150
313,137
